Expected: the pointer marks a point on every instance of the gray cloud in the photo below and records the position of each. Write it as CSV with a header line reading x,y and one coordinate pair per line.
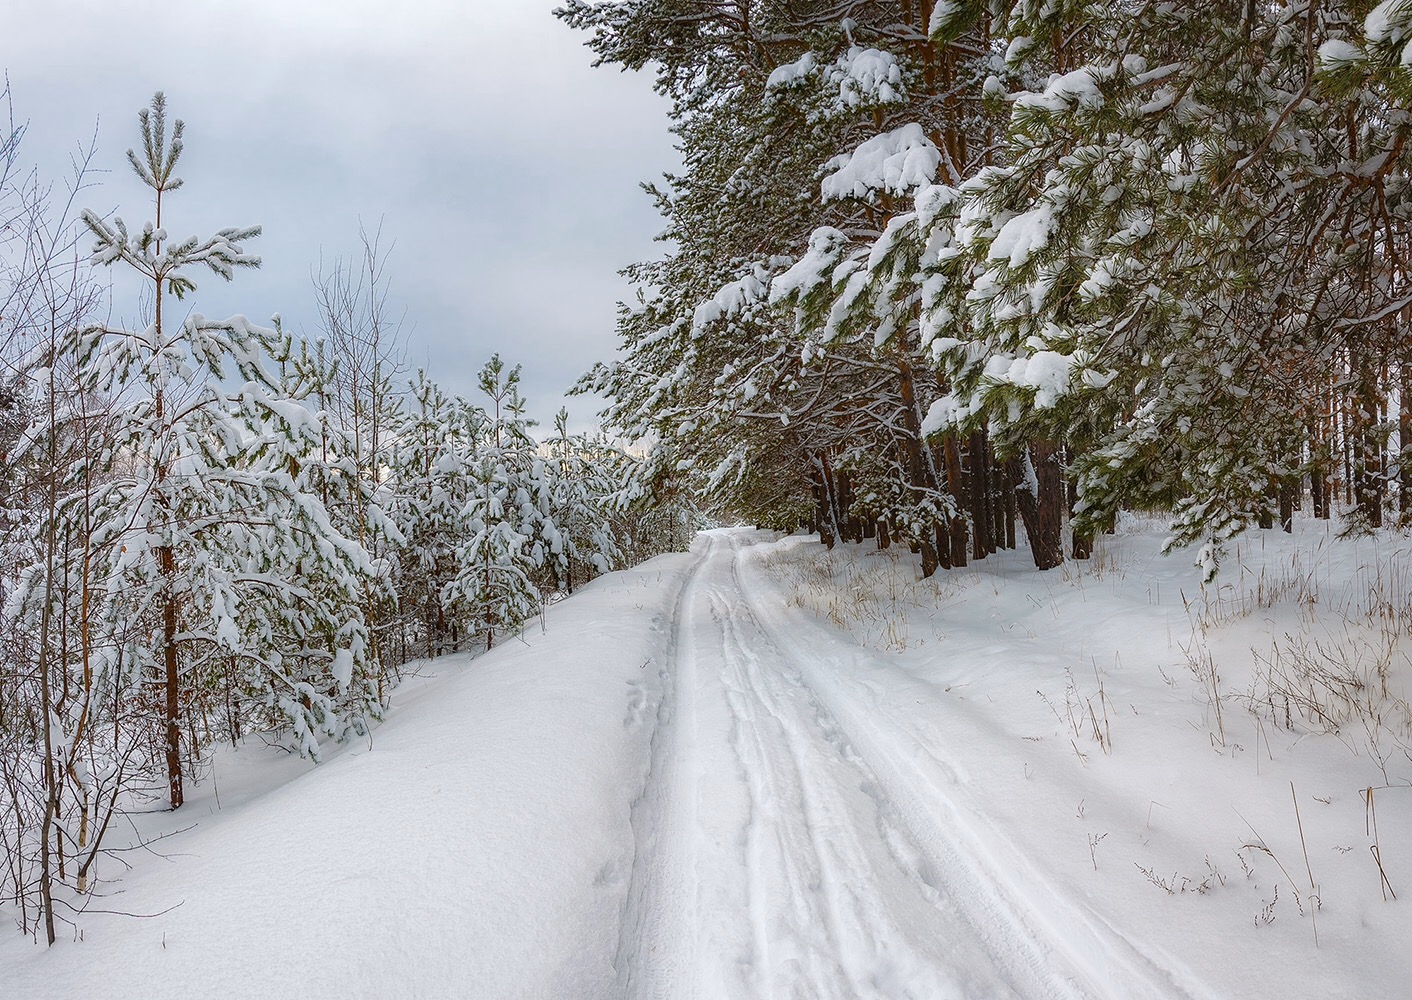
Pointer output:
x,y
504,168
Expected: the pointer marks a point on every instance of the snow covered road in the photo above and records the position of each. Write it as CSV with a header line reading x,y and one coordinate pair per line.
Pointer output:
x,y
790,847
712,777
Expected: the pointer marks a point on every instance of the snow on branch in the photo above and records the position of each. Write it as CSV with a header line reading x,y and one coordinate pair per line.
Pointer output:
x,y
858,78
1067,89
1022,236
731,301
1389,23
826,247
894,162
1046,372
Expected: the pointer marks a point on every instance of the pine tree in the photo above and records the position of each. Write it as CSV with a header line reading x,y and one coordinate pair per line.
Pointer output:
x,y
202,531
494,589
433,480
584,495
1083,240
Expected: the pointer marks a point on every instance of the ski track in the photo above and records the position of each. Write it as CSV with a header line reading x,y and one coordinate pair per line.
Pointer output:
x,y
658,933
793,840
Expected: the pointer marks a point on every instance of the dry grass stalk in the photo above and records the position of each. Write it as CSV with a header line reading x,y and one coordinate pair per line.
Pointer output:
x,y
1370,828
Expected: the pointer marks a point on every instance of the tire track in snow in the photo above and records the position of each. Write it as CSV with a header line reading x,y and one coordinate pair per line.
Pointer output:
x,y
785,858
776,857
877,924
1033,928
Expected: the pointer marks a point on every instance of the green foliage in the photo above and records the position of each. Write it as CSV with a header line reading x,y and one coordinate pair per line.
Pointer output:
x,y
1171,237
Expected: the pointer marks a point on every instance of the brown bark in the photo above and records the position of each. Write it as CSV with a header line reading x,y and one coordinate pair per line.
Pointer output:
x,y
956,483
941,542
1404,439
1048,548
914,460
1041,504
1008,511
823,490
979,487
1318,433
1368,456
848,524
1082,544
172,687
1289,487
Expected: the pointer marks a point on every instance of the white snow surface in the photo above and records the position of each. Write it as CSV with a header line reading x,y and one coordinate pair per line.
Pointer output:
x,y
1046,372
764,769
866,76
826,247
731,300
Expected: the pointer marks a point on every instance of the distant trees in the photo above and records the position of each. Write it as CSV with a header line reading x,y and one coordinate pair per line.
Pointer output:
x,y
507,513
943,267
212,527
433,468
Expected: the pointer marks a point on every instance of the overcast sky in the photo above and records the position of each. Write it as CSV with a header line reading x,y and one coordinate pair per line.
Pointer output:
x,y
503,166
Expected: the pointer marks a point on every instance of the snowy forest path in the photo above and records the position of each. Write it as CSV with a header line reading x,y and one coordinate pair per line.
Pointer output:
x,y
779,856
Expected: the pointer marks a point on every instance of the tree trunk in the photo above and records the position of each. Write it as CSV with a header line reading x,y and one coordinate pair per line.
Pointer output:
x,y
1082,544
1367,457
980,520
823,491
1040,498
1008,509
166,561
430,621
914,457
941,544
1048,549
1319,435
1404,440
844,494
956,483
995,505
